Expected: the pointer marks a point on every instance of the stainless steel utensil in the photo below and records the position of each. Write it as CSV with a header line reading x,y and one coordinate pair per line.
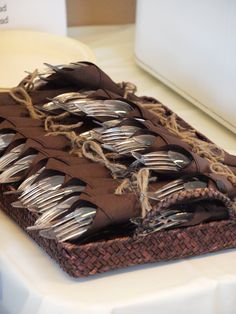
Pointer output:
x,y
9,175
163,160
11,156
167,219
177,186
72,226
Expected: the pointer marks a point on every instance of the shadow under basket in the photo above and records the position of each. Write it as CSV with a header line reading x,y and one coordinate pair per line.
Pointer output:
x,y
123,251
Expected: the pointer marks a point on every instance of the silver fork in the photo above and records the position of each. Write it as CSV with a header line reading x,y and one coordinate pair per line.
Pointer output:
x,y
163,160
133,144
49,216
70,66
26,183
118,134
5,140
98,108
11,156
45,202
41,187
8,175
72,226
167,219
64,101
176,186
42,77
110,133
106,108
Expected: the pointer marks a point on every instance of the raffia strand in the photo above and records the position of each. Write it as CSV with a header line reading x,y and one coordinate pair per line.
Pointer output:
x,y
221,169
20,95
94,152
28,82
142,178
50,124
214,154
125,186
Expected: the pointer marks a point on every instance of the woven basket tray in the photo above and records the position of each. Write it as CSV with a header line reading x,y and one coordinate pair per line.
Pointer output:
x,y
101,256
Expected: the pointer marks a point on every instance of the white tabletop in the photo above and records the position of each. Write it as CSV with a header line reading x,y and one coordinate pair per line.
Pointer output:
x,y
31,282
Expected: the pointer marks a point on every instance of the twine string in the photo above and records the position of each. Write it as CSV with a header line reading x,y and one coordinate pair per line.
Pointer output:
x,y
50,124
214,154
129,88
142,178
221,169
94,152
125,186
28,82
20,95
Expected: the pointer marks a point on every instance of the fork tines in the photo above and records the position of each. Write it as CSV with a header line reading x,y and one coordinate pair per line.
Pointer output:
x,y
65,101
163,160
132,144
105,108
42,204
166,219
72,226
11,156
46,194
41,187
176,186
26,183
5,140
118,134
97,108
49,216
8,175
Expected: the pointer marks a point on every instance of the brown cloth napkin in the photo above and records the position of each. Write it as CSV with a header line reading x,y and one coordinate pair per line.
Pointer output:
x,y
86,75
203,212
15,123
37,134
111,209
90,170
7,111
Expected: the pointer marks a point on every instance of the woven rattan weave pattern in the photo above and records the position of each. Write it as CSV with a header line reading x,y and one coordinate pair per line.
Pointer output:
x,y
102,256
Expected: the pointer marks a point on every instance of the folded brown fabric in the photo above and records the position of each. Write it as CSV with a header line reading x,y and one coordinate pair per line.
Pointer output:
x,y
213,181
114,210
78,168
6,99
7,111
203,212
191,191
111,209
40,97
85,75
37,134
18,122
83,170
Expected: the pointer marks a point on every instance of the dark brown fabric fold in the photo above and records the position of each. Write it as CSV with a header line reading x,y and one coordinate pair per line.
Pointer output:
x,y
24,122
205,212
7,111
112,209
89,76
83,170
37,134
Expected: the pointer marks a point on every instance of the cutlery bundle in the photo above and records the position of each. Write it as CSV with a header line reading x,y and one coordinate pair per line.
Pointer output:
x,y
87,170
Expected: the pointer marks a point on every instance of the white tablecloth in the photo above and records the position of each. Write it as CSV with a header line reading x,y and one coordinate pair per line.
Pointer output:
x,y
31,283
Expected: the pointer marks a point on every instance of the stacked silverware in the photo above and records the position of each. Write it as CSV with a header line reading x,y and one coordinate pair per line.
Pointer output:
x,y
123,132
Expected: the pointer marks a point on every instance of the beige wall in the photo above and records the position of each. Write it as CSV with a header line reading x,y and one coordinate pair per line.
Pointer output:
x,y
100,12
